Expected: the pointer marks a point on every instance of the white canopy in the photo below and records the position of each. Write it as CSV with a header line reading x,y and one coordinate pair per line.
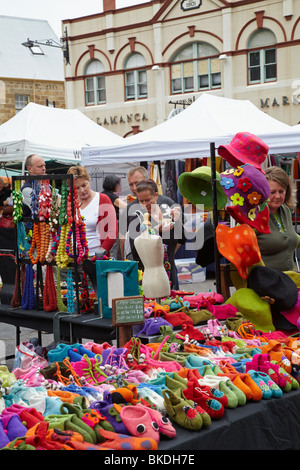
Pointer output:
x,y
189,134
53,133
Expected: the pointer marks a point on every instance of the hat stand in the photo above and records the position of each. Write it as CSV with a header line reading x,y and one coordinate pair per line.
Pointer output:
x,y
215,214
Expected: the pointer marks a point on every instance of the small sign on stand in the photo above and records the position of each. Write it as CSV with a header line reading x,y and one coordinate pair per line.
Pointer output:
x,y
127,311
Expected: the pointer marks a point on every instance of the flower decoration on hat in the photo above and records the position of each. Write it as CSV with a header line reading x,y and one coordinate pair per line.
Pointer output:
x,y
239,171
237,199
248,195
227,182
254,197
244,184
252,214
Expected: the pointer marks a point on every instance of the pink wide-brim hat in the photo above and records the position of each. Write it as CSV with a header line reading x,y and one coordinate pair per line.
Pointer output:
x,y
244,148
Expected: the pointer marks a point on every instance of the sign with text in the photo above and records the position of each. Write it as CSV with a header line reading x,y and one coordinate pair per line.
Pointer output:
x,y
128,311
190,4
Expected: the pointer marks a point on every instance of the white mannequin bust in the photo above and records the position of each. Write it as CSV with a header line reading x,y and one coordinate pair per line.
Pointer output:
x,y
150,249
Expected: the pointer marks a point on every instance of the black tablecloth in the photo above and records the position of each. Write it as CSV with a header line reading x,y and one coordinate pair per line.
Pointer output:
x,y
265,425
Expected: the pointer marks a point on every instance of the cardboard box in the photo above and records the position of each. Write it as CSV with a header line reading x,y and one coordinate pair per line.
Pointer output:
x,y
189,272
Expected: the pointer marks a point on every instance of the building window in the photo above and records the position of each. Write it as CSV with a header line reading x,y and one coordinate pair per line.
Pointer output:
x,y
195,67
95,91
20,102
136,77
262,57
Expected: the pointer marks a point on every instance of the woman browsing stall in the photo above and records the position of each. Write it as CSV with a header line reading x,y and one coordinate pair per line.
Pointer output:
x,y
278,247
98,212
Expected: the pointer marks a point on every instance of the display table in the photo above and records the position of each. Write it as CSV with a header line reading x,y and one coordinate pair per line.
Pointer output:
x,y
264,425
61,324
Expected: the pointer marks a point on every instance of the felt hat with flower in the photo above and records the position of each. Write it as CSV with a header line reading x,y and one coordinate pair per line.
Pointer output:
x,y
238,245
247,189
245,148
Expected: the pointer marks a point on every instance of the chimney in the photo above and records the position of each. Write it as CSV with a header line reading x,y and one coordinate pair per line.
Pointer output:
x,y
109,5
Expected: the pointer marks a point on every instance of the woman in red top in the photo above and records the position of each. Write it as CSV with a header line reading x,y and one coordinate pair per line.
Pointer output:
x,y
98,212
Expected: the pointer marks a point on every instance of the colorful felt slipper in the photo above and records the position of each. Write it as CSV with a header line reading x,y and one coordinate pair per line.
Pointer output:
x,y
165,427
261,383
117,441
273,387
181,412
139,422
205,399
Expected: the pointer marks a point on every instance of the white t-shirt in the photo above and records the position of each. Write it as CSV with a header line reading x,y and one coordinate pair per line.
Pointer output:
x,y
90,214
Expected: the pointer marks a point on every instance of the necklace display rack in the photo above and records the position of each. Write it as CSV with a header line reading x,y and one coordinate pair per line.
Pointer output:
x,y
58,239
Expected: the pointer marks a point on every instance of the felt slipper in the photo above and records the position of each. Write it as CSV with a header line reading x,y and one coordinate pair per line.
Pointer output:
x,y
204,398
119,441
165,427
139,422
268,387
206,419
181,412
279,354
261,363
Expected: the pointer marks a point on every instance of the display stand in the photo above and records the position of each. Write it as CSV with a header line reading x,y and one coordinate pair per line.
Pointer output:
x,y
72,264
215,215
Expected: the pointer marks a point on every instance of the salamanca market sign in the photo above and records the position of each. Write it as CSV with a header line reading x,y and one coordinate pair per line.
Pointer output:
x,y
129,118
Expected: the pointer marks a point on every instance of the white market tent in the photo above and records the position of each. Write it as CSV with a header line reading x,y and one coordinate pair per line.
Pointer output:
x,y
53,133
189,134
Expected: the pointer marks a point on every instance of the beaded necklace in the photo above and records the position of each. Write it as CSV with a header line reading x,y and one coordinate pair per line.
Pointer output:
x,y
63,203
17,202
36,187
60,305
50,294
28,300
62,259
35,242
70,292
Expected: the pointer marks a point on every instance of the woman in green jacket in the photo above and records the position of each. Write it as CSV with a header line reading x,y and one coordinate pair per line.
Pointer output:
x,y
278,247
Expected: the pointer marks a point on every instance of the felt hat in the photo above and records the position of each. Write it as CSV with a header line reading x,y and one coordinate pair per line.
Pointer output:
x,y
206,255
293,314
247,189
274,285
244,148
196,187
253,308
239,245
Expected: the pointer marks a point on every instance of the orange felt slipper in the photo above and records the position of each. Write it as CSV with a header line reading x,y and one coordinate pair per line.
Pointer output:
x,y
278,354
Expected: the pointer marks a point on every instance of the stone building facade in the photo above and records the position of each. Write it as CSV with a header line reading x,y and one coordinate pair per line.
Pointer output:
x,y
29,74
131,67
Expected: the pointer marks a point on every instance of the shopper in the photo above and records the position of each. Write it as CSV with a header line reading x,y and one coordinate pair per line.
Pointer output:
x,y
278,247
111,187
98,212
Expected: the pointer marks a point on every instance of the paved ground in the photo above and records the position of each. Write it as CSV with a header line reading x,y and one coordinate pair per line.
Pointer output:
x,y
8,333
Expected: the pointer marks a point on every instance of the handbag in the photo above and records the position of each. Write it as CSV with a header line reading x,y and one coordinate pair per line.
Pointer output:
x,y
152,326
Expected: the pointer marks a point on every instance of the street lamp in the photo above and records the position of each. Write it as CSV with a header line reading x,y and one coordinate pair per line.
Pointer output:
x,y
64,45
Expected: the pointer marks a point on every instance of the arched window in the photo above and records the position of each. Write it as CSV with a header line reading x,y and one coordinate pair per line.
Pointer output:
x,y
95,92
195,67
135,77
262,57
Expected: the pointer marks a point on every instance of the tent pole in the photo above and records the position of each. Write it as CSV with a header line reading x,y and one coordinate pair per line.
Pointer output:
x,y
215,215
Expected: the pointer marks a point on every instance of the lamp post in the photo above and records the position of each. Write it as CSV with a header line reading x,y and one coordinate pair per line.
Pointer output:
x,y
64,45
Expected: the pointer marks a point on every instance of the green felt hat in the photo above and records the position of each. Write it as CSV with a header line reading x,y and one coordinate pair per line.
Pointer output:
x,y
196,187
253,308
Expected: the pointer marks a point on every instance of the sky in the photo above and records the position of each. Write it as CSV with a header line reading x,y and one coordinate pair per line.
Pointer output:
x,y
54,11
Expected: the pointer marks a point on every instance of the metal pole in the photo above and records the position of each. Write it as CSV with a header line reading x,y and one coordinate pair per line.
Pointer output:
x,y
215,215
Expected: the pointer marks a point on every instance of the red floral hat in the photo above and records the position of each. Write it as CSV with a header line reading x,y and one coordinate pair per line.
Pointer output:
x,y
245,148
247,189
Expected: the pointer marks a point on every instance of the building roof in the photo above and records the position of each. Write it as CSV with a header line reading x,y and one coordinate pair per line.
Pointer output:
x,y
17,61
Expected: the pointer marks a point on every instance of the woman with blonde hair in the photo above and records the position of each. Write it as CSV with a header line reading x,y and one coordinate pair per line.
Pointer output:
x,y
98,212
278,247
